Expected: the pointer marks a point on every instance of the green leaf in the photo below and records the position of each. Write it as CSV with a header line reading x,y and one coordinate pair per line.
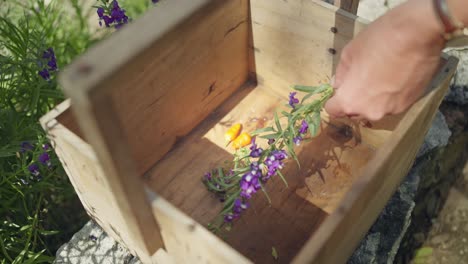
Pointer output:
x,y
274,253
313,121
262,130
270,136
283,178
49,233
265,192
290,146
26,227
277,122
311,90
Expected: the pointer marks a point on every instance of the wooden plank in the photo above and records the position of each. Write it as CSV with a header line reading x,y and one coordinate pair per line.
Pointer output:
x,y
350,6
177,64
293,42
336,239
187,241
188,61
88,178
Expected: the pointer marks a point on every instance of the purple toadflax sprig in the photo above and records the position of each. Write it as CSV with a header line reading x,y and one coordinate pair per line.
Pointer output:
x,y
48,56
110,12
253,166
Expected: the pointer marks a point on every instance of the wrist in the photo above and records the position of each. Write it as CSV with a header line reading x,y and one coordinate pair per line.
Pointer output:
x,y
419,18
459,10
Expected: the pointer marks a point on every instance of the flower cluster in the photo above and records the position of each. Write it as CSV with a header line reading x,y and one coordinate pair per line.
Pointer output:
x,y
274,163
112,15
43,158
49,56
253,165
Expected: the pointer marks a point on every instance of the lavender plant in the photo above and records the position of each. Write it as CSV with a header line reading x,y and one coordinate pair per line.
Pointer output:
x,y
252,166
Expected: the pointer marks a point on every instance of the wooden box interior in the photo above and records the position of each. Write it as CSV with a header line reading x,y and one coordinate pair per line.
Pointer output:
x,y
181,96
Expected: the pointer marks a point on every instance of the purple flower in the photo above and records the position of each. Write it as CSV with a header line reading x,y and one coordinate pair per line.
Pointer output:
x,y
274,163
228,218
250,181
304,127
271,141
292,99
48,55
34,169
44,158
52,61
100,12
297,140
207,176
45,147
108,20
254,151
26,146
239,206
116,17
155,1
279,154
44,74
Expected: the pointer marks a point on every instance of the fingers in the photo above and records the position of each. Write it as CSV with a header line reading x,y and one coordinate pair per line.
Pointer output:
x,y
342,69
334,107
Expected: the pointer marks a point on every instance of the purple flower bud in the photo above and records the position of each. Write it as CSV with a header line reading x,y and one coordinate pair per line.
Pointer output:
x,y
44,74
108,20
292,99
100,12
297,140
44,158
207,176
46,147
34,169
271,141
26,146
228,218
155,1
304,127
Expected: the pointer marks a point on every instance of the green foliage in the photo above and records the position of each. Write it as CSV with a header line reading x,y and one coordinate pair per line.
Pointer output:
x,y
38,214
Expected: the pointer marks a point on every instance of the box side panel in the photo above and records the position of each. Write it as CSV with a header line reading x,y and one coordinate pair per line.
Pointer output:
x,y
187,241
293,42
348,5
169,86
336,239
87,177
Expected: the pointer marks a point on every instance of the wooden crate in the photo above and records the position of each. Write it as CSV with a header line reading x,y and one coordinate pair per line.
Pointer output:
x,y
149,107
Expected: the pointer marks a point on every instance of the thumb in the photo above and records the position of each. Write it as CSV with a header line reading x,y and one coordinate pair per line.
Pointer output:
x,y
334,107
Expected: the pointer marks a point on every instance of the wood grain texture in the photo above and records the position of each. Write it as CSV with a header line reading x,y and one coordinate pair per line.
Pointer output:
x,y
88,179
348,5
187,241
330,164
171,84
163,101
292,40
336,239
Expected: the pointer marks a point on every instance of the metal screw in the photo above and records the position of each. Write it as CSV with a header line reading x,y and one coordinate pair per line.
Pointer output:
x,y
332,51
334,30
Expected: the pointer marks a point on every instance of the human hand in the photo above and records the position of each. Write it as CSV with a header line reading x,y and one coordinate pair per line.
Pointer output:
x,y
387,66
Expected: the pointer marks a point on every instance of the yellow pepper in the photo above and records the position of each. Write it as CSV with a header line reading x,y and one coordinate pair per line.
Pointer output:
x,y
232,132
242,140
